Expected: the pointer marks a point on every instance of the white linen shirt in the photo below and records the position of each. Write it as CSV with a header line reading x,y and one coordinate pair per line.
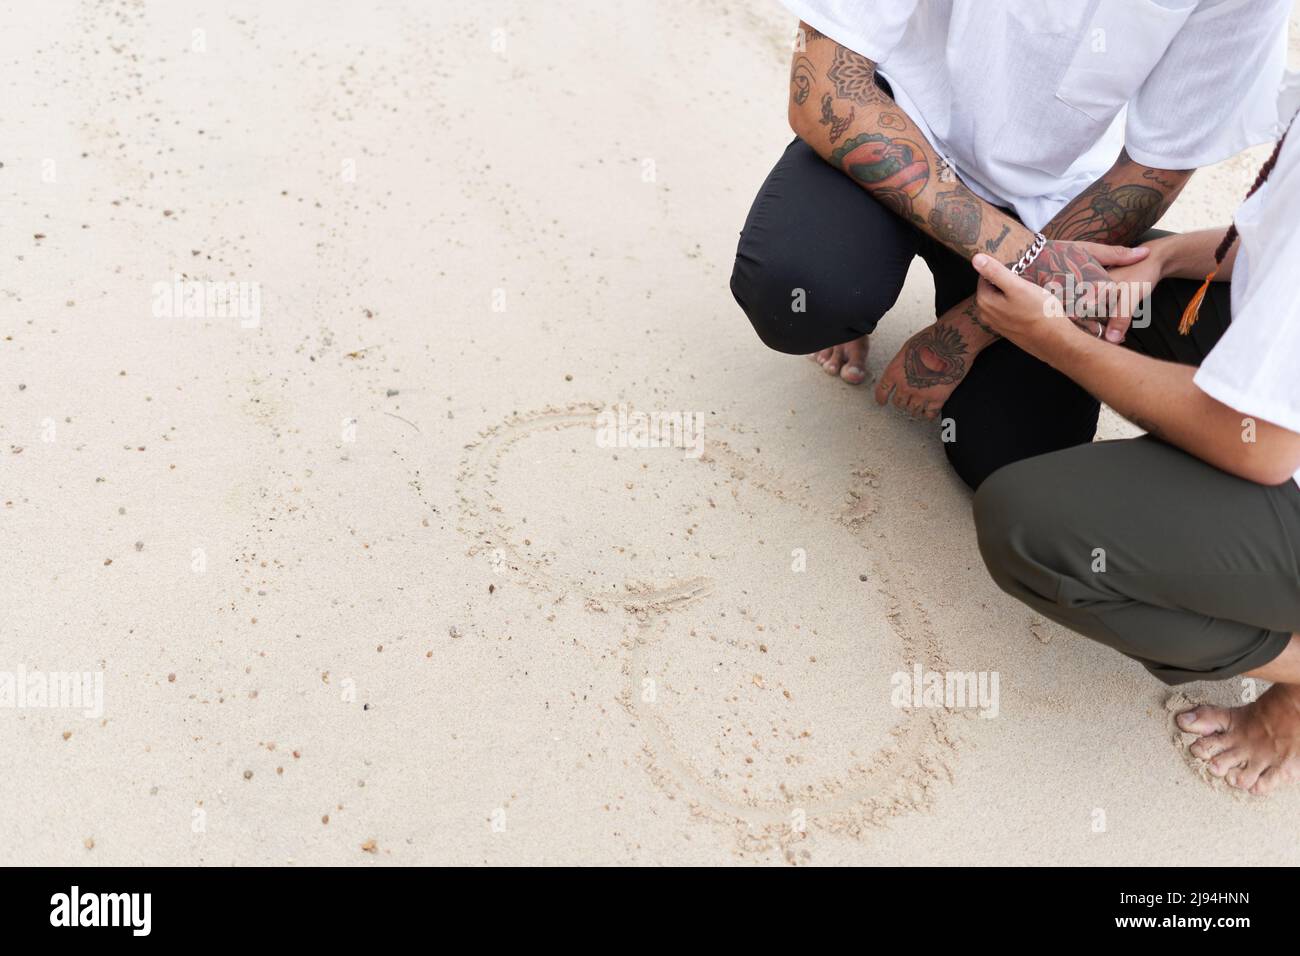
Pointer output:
x,y
1030,101
1255,366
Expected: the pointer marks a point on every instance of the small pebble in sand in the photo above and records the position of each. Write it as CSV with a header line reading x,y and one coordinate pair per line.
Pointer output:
x,y
139,545
325,819
492,589
568,378
67,735
171,678
107,562
370,846
248,775
453,632
862,577
89,843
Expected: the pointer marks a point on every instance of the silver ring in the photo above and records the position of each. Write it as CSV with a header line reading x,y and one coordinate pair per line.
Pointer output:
x,y
1099,329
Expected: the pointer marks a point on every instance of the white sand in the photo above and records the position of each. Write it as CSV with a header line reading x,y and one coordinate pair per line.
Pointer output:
x,y
471,633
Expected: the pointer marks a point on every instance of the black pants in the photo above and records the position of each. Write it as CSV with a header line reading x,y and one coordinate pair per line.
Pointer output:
x,y
813,229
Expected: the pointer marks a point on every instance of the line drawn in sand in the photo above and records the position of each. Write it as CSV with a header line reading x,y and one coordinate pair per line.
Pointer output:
x,y
898,777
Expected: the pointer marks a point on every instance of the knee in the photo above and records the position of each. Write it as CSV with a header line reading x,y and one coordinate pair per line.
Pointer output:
x,y
1018,530
1010,408
972,461
996,527
798,308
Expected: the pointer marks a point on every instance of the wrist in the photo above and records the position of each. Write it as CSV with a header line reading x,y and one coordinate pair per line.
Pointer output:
x,y
1166,255
1049,338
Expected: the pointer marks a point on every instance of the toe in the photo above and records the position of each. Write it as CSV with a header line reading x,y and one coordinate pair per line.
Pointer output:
x,y
855,359
834,361
1205,720
1230,759
1246,777
1210,747
822,356
1268,782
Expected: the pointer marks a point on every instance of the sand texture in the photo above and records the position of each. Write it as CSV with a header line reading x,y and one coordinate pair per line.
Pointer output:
x,y
364,583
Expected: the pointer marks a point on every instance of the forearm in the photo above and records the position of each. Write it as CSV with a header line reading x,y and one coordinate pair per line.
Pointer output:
x,y
1191,255
1117,209
1161,398
1121,206
837,109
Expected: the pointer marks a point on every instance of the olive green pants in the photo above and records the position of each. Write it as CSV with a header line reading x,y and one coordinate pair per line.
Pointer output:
x,y
1145,548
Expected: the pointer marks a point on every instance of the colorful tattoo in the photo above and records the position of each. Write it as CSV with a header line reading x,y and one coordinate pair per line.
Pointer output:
x,y
894,170
936,356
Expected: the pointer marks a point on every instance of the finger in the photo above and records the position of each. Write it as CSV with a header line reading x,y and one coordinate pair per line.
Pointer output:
x,y
996,273
990,301
1116,255
1117,327
883,388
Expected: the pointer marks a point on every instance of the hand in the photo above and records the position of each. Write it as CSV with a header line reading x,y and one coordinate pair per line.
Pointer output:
x,y
933,362
1076,273
1136,282
1014,308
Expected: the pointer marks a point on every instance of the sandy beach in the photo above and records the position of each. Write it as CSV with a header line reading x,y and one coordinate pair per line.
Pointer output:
x,y
371,540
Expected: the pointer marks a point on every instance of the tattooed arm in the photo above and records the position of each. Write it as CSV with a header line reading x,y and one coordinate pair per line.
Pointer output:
x,y
837,109
1115,210
1120,206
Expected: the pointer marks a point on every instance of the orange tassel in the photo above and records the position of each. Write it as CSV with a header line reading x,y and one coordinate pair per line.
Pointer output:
x,y
1194,307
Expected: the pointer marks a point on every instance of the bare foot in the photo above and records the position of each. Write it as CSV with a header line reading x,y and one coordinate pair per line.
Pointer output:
x,y
1256,747
848,361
